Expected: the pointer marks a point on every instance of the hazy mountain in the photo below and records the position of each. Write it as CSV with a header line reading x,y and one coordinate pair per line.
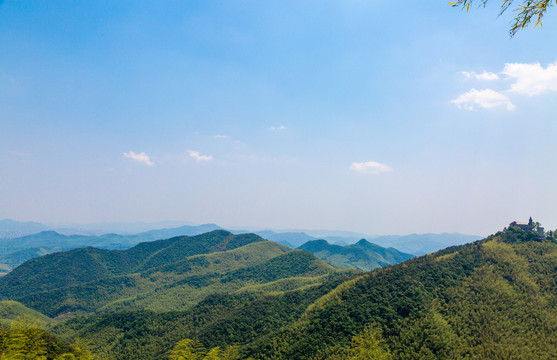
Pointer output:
x,y
185,230
12,229
123,228
362,256
323,234
15,251
19,257
420,244
416,244
290,239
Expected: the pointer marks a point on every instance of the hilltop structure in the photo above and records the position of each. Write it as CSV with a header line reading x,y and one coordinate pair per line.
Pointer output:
x,y
529,226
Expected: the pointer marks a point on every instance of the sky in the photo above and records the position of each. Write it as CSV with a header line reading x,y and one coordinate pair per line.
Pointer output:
x,y
370,116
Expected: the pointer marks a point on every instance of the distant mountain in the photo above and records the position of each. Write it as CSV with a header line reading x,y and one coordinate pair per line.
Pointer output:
x,y
323,234
362,256
186,230
421,244
415,244
296,238
290,239
15,251
12,229
161,275
21,256
123,228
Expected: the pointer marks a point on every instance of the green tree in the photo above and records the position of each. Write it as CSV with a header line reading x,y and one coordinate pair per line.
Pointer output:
x,y
213,354
24,340
231,353
188,349
526,12
369,345
81,350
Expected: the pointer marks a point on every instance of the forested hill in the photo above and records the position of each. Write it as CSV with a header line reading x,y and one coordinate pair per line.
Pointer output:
x,y
492,299
362,256
89,264
12,310
163,275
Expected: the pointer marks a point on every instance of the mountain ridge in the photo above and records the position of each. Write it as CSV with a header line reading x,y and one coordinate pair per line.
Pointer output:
x,y
164,274
494,298
362,255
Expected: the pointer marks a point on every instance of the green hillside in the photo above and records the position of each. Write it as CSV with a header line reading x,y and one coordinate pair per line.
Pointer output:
x,y
21,256
492,299
90,264
11,310
163,275
238,318
362,256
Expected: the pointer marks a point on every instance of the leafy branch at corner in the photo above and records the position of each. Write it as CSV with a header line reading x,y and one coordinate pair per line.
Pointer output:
x,y
528,11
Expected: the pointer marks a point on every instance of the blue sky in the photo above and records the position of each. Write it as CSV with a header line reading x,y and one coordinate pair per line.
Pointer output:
x,y
370,116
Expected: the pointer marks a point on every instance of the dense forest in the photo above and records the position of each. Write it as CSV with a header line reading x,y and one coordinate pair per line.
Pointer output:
x,y
491,299
161,276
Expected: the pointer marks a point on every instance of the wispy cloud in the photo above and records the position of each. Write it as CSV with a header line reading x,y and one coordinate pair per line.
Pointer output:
x,y
277,128
486,99
488,76
140,158
220,136
370,167
196,155
531,79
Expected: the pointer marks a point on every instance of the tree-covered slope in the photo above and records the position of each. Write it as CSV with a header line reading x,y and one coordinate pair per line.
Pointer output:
x,y
362,256
25,338
493,299
11,310
84,265
21,256
237,318
164,275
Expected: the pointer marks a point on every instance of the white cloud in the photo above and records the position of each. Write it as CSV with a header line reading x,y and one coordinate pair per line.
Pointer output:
x,y
198,157
531,79
370,167
221,136
140,158
488,76
277,128
486,99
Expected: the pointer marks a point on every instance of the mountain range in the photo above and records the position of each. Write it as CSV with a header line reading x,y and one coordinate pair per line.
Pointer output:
x,y
169,274
362,256
491,299
15,250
